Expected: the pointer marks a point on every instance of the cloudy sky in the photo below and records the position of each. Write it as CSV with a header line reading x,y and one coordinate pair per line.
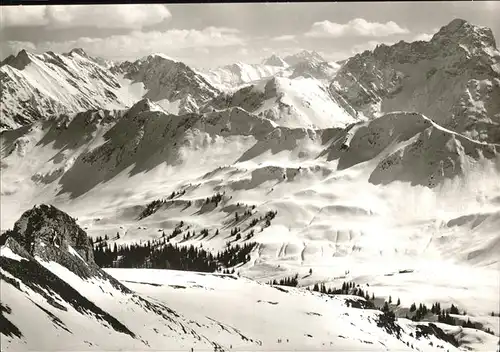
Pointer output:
x,y
208,35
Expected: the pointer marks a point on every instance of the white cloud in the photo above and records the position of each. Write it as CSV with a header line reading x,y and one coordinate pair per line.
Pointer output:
x,y
100,16
425,36
284,38
422,36
357,27
13,47
138,44
370,45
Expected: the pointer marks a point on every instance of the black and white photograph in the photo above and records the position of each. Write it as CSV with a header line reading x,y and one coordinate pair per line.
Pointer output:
x,y
250,176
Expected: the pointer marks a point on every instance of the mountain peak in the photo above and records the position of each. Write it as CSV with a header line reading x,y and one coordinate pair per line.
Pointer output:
x,y
79,51
275,60
463,32
304,55
159,56
143,105
20,61
44,226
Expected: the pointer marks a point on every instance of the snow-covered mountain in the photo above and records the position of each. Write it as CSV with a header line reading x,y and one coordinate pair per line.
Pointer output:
x,y
292,102
323,71
305,63
39,87
303,56
230,77
454,78
44,86
275,60
380,171
172,84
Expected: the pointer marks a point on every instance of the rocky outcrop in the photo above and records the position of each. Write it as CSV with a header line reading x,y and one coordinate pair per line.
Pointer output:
x,y
49,234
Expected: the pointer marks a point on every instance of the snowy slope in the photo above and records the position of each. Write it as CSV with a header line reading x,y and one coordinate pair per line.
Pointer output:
x,y
331,212
84,312
154,308
230,77
297,103
49,85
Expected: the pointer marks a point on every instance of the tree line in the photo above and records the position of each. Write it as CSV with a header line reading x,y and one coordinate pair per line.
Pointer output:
x,y
160,254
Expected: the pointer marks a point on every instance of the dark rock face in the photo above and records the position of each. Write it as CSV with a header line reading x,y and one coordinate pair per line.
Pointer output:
x,y
171,80
20,61
45,230
446,78
51,235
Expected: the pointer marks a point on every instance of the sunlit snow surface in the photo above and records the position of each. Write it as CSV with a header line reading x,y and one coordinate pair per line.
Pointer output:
x,y
329,220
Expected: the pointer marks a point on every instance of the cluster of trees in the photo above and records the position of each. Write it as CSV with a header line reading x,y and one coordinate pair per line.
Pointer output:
x,y
236,254
254,222
227,271
235,231
250,234
103,241
444,317
387,320
163,255
291,281
152,207
215,199
269,216
176,194
443,314
420,312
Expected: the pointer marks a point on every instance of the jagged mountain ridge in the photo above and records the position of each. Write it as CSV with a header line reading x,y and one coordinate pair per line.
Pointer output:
x,y
305,63
303,56
170,83
145,137
38,87
51,86
454,79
